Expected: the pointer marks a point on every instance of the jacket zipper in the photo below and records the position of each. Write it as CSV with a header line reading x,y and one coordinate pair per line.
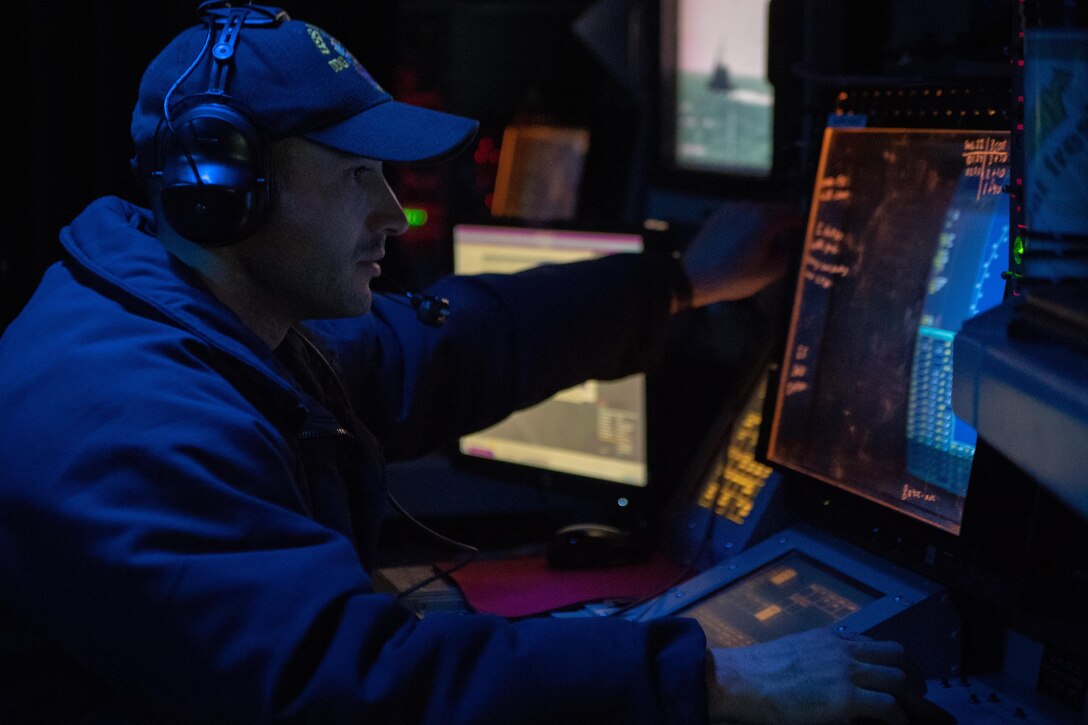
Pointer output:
x,y
326,433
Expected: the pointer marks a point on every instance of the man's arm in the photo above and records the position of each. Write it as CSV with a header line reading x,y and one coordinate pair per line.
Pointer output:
x,y
156,543
511,341
740,249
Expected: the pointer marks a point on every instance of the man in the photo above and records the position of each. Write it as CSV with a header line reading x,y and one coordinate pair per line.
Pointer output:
x,y
192,480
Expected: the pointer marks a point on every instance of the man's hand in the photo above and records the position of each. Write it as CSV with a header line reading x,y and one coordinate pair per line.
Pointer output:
x,y
817,676
739,250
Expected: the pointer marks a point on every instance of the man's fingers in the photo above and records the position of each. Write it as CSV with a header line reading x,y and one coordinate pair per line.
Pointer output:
x,y
886,679
878,652
879,706
891,654
876,682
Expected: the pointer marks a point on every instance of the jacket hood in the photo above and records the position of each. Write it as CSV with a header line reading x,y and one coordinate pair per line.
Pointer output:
x,y
112,244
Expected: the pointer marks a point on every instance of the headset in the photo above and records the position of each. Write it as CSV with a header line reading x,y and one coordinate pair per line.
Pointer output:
x,y
211,175
211,172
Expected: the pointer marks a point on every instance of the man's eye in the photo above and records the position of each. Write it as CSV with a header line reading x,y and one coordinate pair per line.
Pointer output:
x,y
360,172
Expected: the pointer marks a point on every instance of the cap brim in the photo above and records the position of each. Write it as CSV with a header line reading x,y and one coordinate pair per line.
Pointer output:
x,y
399,132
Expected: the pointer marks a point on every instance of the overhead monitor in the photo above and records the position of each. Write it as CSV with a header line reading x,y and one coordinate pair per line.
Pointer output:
x,y
907,238
717,102
596,430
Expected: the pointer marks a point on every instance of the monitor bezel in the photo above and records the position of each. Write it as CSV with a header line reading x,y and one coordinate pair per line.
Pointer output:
x,y
785,31
771,414
895,586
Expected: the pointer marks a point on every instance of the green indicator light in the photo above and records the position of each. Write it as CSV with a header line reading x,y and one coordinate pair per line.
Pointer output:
x,y
416,217
1018,248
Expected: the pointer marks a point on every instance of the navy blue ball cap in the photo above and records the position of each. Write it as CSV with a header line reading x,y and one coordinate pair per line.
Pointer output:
x,y
297,80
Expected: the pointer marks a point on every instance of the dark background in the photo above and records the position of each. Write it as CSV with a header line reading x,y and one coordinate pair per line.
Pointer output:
x,y
70,76
72,69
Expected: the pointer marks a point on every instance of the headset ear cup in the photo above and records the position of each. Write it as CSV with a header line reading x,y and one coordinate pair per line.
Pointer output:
x,y
214,179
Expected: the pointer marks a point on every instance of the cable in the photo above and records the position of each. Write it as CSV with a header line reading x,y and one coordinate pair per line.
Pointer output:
x,y
689,570
166,104
181,79
473,551
445,539
435,577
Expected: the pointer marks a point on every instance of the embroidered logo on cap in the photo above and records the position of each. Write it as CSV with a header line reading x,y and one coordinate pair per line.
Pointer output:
x,y
347,58
315,35
343,58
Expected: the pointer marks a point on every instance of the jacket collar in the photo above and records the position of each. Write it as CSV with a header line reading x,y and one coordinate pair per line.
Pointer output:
x,y
114,241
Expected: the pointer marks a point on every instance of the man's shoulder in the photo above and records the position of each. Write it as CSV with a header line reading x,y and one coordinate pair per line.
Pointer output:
x,y
90,370
87,350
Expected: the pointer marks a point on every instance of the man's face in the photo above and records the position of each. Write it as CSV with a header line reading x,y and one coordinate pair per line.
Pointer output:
x,y
319,250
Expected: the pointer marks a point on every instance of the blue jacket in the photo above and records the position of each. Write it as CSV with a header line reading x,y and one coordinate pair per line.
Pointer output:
x,y
177,545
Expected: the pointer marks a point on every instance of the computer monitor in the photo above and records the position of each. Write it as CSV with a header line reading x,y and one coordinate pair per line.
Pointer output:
x,y
907,238
595,431
801,579
717,102
791,594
